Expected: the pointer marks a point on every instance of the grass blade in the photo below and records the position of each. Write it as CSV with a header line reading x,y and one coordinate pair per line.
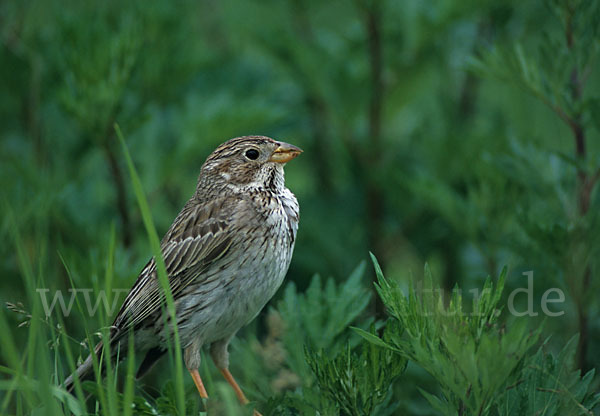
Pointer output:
x,y
160,267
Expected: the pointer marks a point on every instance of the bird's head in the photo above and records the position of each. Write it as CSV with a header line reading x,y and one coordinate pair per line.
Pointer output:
x,y
247,162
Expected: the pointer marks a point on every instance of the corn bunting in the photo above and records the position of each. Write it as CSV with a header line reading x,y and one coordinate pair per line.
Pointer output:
x,y
226,254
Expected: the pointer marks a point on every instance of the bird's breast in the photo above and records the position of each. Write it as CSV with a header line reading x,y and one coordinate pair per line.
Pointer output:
x,y
236,288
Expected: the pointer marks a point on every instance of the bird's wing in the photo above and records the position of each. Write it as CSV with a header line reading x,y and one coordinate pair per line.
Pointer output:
x,y
201,234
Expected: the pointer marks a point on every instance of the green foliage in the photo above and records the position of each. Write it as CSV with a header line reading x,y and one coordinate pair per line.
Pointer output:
x,y
357,382
483,366
321,315
550,70
548,385
139,405
471,355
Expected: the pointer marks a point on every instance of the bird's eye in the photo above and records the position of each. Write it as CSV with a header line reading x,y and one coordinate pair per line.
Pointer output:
x,y
252,154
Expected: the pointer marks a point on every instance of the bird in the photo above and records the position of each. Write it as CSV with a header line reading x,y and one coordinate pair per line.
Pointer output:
x,y
226,254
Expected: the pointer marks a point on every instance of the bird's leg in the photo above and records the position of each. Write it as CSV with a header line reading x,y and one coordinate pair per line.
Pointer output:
x,y
238,392
198,382
191,356
220,356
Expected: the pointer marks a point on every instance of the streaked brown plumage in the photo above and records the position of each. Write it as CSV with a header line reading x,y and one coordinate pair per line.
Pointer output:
x,y
226,254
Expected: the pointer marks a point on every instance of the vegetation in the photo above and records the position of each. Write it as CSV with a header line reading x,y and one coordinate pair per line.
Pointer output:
x,y
463,135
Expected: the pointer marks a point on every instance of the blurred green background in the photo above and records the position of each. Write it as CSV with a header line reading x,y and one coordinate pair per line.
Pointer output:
x,y
460,133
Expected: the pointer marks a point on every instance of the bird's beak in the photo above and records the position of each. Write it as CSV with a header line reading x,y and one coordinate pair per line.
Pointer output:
x,y
284,153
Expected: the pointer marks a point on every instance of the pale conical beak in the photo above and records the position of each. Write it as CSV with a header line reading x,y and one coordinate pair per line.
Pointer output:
x,y
284,153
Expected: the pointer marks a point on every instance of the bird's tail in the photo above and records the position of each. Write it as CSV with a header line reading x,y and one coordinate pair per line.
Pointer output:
x,y
84,371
